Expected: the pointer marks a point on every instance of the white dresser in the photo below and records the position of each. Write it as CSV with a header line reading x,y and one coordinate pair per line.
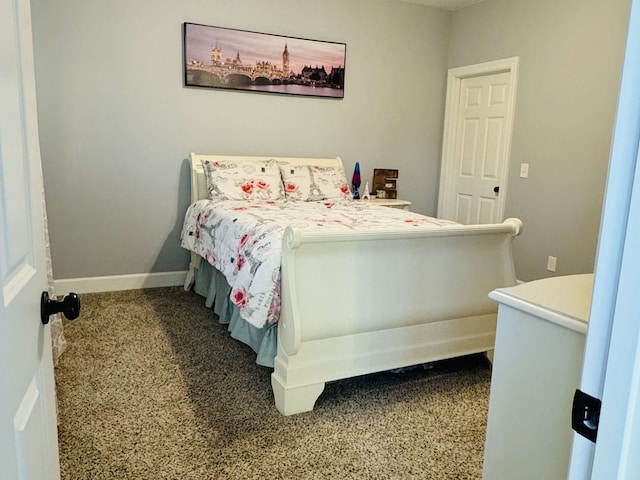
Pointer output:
x,y
537,365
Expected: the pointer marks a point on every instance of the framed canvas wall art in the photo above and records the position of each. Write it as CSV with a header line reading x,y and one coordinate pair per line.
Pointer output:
x,y
217,57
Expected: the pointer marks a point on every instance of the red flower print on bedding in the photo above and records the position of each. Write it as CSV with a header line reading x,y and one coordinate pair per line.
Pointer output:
x,y
262,185
239,297
344,188
247,188
291,187
243,240
240,260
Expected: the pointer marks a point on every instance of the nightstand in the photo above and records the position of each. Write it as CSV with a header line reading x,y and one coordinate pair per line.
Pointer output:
x,y
390,202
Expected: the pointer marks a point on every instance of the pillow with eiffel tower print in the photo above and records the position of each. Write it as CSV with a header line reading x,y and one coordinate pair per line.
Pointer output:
x,y
311,182
247,180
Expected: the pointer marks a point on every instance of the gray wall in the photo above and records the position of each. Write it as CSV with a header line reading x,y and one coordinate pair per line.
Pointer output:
x,y
570,64
116,125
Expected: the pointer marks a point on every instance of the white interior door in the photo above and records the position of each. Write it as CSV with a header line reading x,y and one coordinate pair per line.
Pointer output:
x,y
28,435
477,142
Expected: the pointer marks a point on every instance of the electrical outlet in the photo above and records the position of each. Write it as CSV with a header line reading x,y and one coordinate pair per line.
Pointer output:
x,y
551,263
524,170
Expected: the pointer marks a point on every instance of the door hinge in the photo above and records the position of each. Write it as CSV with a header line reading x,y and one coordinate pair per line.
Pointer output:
x,y
585,415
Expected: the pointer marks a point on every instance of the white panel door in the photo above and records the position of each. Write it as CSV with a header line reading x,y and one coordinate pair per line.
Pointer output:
x,y
28,435
477,140
479,156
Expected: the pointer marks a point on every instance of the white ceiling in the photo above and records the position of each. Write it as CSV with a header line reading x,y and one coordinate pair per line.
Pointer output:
x,y
445,4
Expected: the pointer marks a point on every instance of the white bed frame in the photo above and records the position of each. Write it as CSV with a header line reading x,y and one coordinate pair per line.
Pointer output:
x,y
356,303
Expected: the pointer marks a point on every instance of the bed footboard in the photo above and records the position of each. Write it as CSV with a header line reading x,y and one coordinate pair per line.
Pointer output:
x,y
360,302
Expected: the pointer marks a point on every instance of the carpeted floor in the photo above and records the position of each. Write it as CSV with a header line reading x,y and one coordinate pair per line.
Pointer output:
x,y
152,387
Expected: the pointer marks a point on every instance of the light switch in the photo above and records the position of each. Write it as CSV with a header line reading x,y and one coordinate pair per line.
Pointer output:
x,y
524,170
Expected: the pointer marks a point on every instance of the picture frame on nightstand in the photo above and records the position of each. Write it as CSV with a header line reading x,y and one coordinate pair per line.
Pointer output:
x,y
385,183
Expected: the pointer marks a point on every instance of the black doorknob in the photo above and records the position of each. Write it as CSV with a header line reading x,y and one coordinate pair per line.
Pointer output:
x,y
496,189
69,306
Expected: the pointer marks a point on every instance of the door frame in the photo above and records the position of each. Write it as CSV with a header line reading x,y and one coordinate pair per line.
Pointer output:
x,y
611,367
454,85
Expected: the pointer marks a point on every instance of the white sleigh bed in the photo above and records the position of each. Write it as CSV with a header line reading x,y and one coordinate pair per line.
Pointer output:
x,y
402,297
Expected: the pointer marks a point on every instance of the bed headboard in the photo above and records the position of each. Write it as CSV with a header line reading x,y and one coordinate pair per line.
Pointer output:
x,y
199,183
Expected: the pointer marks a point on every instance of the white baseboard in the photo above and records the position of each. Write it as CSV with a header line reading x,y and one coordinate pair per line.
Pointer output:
x,y
119,282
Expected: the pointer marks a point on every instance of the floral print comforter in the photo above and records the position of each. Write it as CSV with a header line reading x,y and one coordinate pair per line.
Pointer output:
x,y
243,240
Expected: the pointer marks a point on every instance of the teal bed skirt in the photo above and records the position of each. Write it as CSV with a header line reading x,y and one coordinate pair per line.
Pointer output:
x,y
212,285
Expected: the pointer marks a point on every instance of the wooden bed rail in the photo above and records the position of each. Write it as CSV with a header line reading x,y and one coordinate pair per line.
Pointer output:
x,y
294,237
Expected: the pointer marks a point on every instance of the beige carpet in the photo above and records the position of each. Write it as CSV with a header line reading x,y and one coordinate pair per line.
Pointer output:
x,y
152,387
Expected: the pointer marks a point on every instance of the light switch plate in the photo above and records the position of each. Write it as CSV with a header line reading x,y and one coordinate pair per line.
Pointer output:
x,y
524,170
